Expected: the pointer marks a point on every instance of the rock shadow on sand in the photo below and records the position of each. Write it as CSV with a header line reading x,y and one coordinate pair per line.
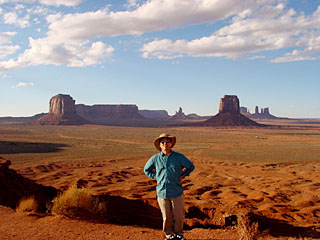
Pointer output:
x,y
8,147
279,228
125,211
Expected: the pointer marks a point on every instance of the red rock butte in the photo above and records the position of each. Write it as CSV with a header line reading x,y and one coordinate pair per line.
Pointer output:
x,y
229,115
62,111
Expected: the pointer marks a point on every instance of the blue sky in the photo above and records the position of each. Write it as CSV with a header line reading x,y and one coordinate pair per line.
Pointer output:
x,y
161,54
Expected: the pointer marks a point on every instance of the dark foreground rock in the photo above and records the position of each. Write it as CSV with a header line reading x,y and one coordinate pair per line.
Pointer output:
x,y
14,187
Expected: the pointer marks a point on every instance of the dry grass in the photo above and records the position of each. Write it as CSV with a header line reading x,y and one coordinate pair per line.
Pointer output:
x,y
78,203
28,204
248,228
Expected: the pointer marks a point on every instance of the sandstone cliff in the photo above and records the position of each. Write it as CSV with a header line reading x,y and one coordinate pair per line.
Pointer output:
x,y
229,104
62,111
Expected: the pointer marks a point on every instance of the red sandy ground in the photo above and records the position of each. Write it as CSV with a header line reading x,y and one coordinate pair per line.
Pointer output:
x,y
287,192
16,226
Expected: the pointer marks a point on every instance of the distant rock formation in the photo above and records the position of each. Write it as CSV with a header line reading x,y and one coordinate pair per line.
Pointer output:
x,y
22,119
61,112
14,187
154,114
263,114
179,115
229,114
243,110
194,116
100,114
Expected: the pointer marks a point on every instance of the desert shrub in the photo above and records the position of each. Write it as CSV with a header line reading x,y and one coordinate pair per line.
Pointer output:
x,y
78,202
247,228
28,204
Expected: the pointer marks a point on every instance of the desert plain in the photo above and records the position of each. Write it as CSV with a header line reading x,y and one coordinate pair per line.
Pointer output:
x,y
270,174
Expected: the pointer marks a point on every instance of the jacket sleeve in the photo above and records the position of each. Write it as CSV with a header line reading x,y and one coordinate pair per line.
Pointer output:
x,y
149,169
188,165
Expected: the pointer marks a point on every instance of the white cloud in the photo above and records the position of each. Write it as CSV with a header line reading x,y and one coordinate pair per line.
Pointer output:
x,y
13,19
132,4
72,53
19,6
46,2
6,50
61,2
257,57
151,16
23,84
40,10
6,36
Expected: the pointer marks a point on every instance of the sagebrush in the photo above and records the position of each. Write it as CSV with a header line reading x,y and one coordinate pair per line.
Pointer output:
x,y
27,204
78,202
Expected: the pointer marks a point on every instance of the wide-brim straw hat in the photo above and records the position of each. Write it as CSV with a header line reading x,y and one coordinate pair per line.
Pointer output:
x,y
164,135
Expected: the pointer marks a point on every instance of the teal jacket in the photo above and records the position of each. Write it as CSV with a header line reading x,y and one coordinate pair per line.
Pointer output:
x,y
168,173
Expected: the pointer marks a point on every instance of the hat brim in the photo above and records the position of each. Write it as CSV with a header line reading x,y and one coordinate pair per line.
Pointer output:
x,y
157,141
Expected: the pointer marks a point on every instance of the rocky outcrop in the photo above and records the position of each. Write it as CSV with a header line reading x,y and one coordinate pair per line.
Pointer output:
x,y
14,187
62,111
100,114
263,114
179,115
229,115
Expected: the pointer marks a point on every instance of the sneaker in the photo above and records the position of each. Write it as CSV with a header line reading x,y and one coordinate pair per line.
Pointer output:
x,y
180,237
170,237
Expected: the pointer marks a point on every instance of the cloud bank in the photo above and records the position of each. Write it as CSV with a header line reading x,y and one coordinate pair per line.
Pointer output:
x,y
264,29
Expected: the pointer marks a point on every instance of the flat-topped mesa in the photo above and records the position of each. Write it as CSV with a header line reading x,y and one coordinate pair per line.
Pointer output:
x,y
154,114
62,111
229,103
100,114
